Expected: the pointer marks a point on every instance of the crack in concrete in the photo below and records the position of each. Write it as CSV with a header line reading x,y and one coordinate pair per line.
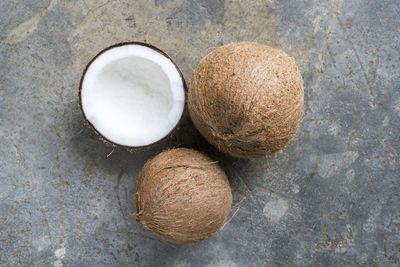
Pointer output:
x,y
23,30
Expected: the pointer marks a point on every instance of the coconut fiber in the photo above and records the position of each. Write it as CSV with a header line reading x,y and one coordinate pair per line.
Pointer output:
x,y
247,99
182,196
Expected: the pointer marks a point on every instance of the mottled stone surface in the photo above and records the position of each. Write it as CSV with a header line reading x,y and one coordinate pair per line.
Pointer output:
x,y
331,198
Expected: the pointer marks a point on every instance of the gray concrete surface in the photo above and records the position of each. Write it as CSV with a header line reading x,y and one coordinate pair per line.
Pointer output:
x,y
331,198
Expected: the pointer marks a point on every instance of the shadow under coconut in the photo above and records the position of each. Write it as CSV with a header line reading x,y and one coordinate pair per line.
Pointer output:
x,y
110,159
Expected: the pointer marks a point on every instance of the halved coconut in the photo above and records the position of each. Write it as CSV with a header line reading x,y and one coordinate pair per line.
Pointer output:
x,y
132,94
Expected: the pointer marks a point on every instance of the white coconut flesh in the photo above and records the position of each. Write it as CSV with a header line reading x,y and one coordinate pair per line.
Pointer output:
x,y
133,95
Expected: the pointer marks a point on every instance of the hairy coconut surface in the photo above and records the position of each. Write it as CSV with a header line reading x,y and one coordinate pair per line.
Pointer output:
x,y
247,99
132,94
182,196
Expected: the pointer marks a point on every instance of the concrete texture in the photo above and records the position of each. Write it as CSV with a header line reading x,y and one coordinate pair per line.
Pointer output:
x,y
331,198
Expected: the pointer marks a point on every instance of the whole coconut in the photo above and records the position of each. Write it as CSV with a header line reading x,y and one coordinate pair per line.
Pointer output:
x,y
247,99
182,196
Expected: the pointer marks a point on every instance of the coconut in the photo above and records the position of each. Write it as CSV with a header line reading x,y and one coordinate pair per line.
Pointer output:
x,y
132,94
182,196
246,99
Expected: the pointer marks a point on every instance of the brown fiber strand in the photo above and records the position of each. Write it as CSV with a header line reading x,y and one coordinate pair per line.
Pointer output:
x,y
247,99
182,196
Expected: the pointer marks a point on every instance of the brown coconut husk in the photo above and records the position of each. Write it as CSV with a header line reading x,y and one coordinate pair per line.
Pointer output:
x,y
247,99
182,196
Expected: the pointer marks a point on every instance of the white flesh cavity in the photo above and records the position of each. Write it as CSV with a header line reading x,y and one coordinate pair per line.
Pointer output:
x,y
133,95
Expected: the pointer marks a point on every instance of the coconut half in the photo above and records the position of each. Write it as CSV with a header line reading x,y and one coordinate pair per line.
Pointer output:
x,y
132,94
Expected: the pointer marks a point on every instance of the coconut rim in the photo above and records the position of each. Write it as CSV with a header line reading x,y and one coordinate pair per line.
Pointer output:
x,y
105,139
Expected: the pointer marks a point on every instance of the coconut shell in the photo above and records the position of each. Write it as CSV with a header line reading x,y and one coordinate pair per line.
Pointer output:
x,y
89,124
247,99
182,196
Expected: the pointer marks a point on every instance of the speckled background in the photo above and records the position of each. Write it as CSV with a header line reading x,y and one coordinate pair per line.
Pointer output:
x,y
331,198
